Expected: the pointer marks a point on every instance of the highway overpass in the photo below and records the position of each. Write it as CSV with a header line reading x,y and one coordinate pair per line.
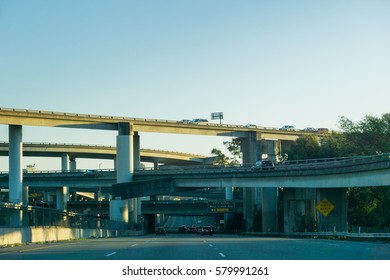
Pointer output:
x,y
74,151
12,116
254,143
319,178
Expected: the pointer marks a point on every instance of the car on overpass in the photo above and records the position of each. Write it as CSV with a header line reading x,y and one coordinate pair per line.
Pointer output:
x,y
250,125
287,127
310,129
264,164
198,121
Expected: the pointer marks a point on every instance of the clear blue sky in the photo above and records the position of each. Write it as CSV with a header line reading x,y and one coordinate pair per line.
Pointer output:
x,y
269,63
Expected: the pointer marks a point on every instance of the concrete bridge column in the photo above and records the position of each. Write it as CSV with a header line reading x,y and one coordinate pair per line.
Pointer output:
x,y
228,196
15,179
337,219
25,195
63,192
62,198
124,210
72,164
272,148
270,209
251,152
136,151
137,165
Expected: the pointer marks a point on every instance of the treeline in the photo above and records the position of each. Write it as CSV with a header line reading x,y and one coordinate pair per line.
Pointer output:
x,y
367,207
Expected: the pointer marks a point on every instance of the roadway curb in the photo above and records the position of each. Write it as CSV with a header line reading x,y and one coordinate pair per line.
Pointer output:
x,y
382,237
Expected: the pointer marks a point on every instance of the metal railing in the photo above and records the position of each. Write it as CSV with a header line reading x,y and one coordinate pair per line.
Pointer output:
x,y
286,166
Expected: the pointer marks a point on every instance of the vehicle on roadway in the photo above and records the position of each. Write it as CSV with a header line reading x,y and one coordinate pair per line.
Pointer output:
x,y
310,129
250,125
287,127
91,173
198,121
161,231
183,229
207,230
264,164
193,229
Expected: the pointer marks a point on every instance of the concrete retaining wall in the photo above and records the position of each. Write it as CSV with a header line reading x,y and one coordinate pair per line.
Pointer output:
x,y
9,236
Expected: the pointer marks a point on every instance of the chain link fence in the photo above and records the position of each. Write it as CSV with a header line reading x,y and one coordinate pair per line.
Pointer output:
x,y
13,215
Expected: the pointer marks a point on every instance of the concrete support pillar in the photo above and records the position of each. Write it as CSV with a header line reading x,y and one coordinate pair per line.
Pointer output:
x,y
271,147
155,165
124,158
72,164
15,164
137,165
251,152
136,151
269,195
63,193
337,219
15,179
65,162
270,209
25,195
62,198
119,210
124,210
299,209
228,216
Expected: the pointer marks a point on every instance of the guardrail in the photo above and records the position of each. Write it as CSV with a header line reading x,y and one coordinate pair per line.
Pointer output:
x,y
295,165
288,165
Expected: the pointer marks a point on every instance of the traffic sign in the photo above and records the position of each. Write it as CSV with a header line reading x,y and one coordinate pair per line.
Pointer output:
x,y
221,206
325,207
217,116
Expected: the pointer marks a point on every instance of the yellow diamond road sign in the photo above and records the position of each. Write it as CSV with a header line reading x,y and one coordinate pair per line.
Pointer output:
x,y
325,207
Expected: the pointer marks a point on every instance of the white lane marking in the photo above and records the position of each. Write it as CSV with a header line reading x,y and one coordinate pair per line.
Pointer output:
x,y
211,245
133,245
222,255
111,254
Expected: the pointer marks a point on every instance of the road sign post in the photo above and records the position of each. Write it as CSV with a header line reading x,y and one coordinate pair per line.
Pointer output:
x,y
217,116
221,207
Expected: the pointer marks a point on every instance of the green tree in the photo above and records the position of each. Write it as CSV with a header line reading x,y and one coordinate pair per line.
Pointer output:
x,y
305,147
234,147
369,136
366,206
220,158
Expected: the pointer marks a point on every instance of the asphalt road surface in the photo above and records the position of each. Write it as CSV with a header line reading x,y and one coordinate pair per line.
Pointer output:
x,y
196,247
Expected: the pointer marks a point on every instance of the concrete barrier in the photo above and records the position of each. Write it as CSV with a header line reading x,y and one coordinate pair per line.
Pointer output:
x,y
11,236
